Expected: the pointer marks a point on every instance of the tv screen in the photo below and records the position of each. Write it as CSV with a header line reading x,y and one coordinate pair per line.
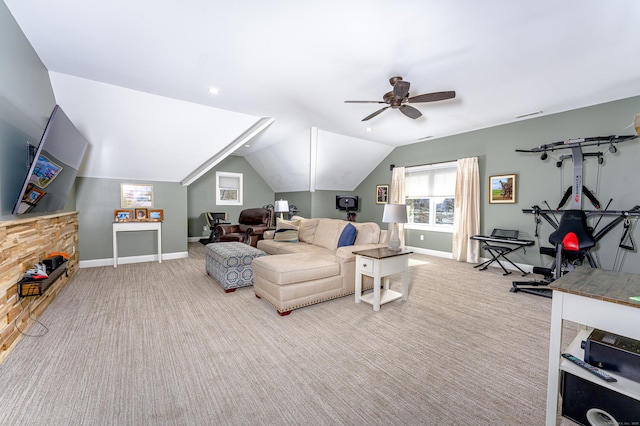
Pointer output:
x,y
54,167
347,202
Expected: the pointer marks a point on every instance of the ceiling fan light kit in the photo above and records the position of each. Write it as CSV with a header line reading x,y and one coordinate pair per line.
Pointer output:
x,y
399,99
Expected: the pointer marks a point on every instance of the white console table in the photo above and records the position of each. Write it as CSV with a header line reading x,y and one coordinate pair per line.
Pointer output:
x,y
135,226
380,263
596,299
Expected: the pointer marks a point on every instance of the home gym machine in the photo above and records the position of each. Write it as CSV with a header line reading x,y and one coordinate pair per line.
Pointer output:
x,y
572,238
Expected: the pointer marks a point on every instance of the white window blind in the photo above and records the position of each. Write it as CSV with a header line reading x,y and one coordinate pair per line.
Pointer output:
x,y
437,180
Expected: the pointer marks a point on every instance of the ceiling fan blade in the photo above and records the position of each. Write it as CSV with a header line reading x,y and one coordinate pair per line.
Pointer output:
x,y
431,97
375,113
401,89
364,102
410,111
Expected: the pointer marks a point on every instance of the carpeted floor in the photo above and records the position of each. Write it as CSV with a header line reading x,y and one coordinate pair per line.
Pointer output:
x,y
163,344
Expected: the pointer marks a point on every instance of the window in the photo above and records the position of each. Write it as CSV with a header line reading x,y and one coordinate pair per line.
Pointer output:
x,y
430,196
228,189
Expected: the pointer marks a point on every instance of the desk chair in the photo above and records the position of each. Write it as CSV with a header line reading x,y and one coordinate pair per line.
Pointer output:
x,y
213,220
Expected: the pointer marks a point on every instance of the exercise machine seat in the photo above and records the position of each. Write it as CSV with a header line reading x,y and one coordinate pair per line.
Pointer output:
x,y
573,232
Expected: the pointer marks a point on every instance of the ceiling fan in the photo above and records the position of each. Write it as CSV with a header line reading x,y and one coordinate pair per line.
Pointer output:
x,y
399,98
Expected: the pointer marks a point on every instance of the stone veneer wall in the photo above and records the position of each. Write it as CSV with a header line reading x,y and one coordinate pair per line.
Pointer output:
x,y
24,242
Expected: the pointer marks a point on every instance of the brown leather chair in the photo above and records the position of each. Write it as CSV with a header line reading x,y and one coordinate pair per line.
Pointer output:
x,y
251,225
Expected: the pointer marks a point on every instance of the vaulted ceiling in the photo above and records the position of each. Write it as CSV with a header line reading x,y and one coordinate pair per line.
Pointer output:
x,y
134,77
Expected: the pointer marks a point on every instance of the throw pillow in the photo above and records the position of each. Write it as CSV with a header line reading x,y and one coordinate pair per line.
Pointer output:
x,y
286,235
286,231
348,236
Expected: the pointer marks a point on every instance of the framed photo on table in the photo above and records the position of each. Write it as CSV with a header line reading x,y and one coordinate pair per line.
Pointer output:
x,y
502,189
382,194
155,215
141,214
122,215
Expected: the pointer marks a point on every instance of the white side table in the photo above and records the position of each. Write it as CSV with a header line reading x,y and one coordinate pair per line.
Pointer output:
x,y
135,226
380,263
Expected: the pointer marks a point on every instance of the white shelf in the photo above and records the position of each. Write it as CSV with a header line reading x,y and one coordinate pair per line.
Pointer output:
x,y
623,386
385,296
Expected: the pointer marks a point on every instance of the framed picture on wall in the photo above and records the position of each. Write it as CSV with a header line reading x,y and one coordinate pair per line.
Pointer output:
x,y
135,195
382,194
502,189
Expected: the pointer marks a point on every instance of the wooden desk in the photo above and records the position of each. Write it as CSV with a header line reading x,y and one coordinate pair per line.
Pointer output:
x,y
598,299
135,226
380,263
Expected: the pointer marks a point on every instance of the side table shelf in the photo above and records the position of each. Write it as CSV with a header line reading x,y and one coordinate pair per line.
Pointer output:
x,y
623,386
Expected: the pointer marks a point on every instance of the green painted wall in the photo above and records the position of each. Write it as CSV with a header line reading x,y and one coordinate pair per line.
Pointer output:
x,y
201,194
26,101
537,180
96,200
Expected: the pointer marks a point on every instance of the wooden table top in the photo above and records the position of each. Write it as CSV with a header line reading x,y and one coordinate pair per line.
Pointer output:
x,y
614,287
381,253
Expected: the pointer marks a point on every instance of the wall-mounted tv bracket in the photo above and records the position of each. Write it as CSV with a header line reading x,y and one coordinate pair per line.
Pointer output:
x,y
575,145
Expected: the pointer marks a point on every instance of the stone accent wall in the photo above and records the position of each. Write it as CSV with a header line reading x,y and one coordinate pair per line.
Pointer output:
x,y
24,242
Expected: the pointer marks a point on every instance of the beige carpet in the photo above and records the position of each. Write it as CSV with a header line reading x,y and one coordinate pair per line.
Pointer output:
x,y
163,344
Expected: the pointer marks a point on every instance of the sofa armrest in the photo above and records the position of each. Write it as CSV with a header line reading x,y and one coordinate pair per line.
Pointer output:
x,y
227,229
257,229
268,234
345,254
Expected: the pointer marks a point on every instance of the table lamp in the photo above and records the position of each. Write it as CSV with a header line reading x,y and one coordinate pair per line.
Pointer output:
x,y
281,207
393,215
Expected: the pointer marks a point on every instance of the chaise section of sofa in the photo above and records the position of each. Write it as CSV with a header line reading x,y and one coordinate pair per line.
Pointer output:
x,y
312,268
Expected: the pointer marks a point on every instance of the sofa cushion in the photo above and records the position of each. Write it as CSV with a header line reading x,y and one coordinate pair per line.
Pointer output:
x,y
293,268
368,233
328,232
307,230
348,236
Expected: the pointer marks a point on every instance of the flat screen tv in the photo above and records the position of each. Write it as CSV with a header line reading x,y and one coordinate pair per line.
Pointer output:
x,y
53,168
347,202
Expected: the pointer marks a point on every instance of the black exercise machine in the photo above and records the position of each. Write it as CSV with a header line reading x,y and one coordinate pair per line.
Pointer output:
x,y
573,238
213,220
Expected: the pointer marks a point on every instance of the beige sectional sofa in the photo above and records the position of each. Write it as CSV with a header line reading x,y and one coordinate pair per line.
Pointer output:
x,y
314,268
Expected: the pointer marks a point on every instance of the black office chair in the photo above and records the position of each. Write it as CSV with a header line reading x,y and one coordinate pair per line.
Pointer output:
x,y
213,220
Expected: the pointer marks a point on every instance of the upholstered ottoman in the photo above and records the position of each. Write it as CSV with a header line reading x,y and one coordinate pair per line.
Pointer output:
x,y
291,281
230,264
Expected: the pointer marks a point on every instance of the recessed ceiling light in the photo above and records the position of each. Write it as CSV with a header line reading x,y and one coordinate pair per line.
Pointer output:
x,y
214,90
247,146
368,129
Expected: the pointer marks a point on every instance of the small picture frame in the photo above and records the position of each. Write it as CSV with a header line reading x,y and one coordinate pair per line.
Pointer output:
x,y
32,195
122,215
155,215
141,214
502,189
382,194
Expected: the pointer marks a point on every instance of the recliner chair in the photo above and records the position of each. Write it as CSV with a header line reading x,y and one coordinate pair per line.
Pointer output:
x,y
251,225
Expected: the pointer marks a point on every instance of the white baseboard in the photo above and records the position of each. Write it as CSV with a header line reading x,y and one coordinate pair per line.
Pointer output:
x,y
447,255
132,259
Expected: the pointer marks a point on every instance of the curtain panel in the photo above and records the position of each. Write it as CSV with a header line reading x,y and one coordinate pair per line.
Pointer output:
x,y
466,219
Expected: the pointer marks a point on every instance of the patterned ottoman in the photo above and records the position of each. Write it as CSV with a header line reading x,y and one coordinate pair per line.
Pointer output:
x,y
230,264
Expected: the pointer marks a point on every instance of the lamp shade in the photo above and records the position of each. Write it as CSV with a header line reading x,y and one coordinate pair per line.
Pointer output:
x,y
395,213
281,206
